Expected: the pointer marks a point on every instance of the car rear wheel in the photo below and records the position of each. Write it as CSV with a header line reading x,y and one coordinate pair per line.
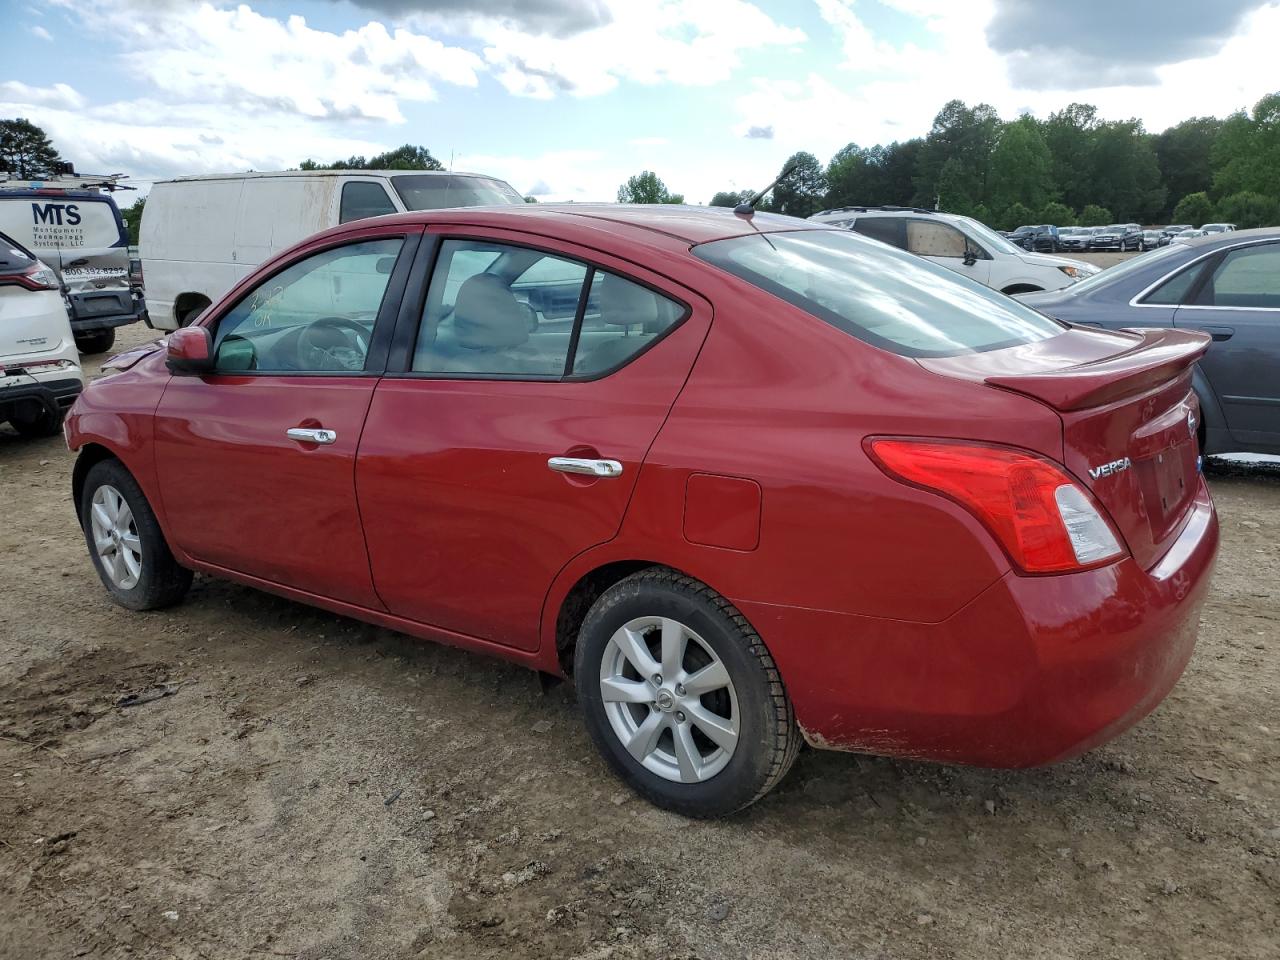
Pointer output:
x,y
681,697
96,341
125,542
37,421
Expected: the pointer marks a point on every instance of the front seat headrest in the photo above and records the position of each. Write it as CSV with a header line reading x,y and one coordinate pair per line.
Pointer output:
x,y
486,315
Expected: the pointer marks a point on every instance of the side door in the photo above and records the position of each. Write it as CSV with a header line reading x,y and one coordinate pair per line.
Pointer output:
x,y
948,247
525,387
1237,301
256,461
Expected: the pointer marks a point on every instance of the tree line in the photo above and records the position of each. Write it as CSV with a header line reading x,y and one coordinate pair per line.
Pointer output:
x,y
1072,168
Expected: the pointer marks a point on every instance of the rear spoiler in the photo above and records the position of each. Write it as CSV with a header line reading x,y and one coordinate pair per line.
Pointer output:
x,y
1160,356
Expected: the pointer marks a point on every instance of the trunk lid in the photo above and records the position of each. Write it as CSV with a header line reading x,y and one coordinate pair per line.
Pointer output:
x,y
1129,418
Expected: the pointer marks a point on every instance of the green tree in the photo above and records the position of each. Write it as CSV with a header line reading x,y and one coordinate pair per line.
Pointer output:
x,y
1021,166
1095,216
963,133
1017,215
730,198
1247,152
407,157
1184,153
645,187
1070,135
133,218
803,192
530,199
849,176
1126,175
1058,214
952,189
1248,209
26,151
1195,209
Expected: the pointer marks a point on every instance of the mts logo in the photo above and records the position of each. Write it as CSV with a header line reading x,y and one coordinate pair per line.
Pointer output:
x,y
56,214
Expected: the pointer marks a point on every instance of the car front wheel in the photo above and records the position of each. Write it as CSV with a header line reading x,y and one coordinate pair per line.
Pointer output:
x,y
681,697
125,542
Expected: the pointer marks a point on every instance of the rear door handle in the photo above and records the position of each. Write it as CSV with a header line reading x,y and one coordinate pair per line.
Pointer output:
x,y
1220,333
310,435
588,468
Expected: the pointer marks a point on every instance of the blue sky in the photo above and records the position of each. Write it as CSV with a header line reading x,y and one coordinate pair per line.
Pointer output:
x,y
566,98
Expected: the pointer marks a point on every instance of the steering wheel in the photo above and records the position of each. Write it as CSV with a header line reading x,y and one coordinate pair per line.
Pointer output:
x,y
333,343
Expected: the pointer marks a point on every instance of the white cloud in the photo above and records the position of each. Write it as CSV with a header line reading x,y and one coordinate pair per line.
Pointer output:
x,y
41,32
59,95
687,42
649,141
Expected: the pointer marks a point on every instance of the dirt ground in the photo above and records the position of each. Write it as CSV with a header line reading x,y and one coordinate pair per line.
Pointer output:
x,y
316,788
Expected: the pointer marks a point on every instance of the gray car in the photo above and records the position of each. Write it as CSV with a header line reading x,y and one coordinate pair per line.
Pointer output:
x,y
1226,284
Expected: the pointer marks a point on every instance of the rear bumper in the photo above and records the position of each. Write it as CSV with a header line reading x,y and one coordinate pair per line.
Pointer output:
x,y
53,395
105,309
1032,671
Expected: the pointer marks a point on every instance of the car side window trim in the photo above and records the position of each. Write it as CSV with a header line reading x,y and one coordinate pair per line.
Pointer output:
x,y
376,359
415,301
1211,268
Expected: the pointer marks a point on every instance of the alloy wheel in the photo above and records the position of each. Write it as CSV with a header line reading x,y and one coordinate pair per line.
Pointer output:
x,y
669,699
115,537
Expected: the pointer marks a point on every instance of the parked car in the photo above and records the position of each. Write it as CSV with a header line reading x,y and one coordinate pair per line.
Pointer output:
x,y
1218,228
1189,234
246,218
1121,237
81,235
1042,237
1074,238
720,530
966,246
1150,240
1168,233
1227,285
40,374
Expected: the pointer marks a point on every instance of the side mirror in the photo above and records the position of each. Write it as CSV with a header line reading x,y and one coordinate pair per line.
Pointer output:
x,y
970,256
189,350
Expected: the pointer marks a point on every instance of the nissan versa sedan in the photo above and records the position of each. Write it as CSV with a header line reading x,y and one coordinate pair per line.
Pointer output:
x,y
1226,285
749,481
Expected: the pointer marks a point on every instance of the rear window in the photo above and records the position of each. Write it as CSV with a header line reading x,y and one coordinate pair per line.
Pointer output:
x,y
62,222
439,190
891,300
890,230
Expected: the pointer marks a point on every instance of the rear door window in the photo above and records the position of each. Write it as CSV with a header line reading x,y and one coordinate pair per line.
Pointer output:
x,y
893,300
1248,277
930,238
363,198
890,230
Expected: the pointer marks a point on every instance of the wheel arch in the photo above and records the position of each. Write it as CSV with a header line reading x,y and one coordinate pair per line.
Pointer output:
x,y
187,301
91,454
1213,431
1013,288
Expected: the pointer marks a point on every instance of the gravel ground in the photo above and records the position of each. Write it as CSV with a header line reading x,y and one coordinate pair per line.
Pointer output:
x,y
316,788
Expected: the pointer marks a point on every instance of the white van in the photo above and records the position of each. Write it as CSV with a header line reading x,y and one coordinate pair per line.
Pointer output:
x,y
201,235
966,246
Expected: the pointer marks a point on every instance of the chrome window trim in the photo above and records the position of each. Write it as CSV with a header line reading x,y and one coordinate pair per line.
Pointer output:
x,y
1134,302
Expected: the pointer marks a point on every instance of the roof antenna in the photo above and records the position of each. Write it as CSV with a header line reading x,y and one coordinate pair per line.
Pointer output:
x,y
748,207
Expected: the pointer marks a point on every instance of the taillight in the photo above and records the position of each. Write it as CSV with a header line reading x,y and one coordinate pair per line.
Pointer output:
x,y
1044,520
38,276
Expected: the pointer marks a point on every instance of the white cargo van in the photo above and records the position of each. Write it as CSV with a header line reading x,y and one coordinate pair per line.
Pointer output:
x,y
201,235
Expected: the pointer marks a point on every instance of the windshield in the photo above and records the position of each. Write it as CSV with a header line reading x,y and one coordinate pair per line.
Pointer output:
x,y
991,239
886,297
1122,270
435,191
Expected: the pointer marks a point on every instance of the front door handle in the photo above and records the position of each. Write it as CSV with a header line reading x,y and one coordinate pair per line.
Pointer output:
x,y
588,468
312,435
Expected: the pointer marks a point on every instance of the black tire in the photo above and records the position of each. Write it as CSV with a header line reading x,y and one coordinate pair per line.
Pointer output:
x,y
46,423
162,582
768,737
96,341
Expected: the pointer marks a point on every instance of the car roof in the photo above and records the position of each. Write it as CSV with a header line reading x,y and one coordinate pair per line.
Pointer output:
x,y
688,224
1235,236
266,174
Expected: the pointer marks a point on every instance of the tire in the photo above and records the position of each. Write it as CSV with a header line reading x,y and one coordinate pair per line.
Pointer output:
x,y
45,424
155,579
96,341
718,642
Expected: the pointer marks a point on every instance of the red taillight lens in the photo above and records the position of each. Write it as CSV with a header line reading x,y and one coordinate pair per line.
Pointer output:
x,y
35,277
1017,495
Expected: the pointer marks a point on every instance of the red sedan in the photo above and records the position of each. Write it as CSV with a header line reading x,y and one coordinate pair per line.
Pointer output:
x,y
747,481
